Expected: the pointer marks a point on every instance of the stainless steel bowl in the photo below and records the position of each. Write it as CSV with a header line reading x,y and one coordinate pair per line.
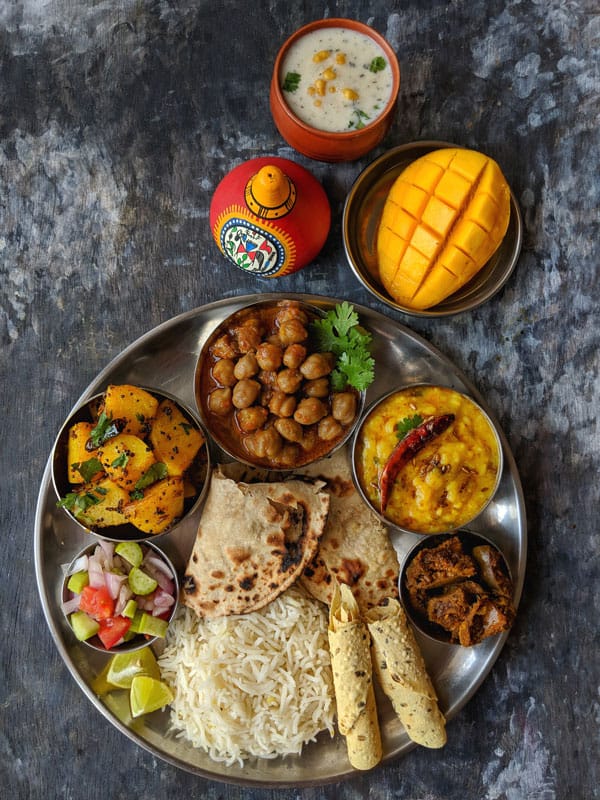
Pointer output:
x,y
85,411
362,212
224,431
140,640
469,540
370,501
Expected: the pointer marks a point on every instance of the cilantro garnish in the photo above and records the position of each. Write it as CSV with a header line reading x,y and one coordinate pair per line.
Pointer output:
x,y
87,469
340,333
157,472
104,429
78,502
291,82
120,461
407,424
377,64
186,427
358,122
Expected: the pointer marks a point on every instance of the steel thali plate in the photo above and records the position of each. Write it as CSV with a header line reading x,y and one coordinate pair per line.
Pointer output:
x,y
165,358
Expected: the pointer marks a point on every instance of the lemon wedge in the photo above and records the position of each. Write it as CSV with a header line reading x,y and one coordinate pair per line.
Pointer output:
x,y
124,667
148,694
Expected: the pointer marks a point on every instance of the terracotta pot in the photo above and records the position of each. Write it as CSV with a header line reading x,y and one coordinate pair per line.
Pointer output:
x,y
270,217
325,145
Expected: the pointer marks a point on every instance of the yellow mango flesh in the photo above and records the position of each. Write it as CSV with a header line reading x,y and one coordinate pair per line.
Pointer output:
x,y
444,217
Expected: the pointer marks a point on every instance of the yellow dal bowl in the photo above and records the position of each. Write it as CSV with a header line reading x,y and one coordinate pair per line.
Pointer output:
x,y
446,484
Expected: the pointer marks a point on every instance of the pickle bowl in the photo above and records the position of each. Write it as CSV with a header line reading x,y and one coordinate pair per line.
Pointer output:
x,y
277,441
426,458
136,509
114,602
361,215
453,584
362,131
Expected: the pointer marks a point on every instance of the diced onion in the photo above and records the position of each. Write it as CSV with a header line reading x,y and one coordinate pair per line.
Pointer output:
x,y
95,572
160,565
108,549
69,606
162,575
79,565
113,583
125,595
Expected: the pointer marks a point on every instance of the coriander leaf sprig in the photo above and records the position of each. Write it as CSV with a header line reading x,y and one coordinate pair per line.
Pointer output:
x,y
340,333
404,426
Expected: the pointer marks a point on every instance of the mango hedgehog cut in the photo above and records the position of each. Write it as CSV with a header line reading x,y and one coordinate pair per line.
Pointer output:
x,y
444,217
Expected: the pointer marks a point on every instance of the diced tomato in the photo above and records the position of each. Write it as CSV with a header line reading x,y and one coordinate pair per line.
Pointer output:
x,y
112,630
97,602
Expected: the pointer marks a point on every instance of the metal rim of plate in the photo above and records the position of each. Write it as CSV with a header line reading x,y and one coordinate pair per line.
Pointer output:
x,y
360,221
170,351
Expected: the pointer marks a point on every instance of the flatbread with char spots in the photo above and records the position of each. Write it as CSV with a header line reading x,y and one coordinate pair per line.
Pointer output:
x,y
355,548
253,541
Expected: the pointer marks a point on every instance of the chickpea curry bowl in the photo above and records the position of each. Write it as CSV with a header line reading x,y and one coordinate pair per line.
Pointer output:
x,y
130,463
280,383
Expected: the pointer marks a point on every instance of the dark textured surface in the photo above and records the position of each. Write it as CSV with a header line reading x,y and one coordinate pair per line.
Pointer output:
x,y
118,119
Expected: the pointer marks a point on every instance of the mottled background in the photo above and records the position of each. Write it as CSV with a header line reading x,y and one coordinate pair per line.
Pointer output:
x,y
117,121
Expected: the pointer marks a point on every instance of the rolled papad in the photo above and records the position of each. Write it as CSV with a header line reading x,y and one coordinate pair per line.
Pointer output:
x,y
353,680
402,674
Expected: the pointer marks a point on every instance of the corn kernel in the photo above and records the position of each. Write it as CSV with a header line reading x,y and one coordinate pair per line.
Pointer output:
x,y
320,86
332,89
350,94
311,90
340,58
329,74
321,56
318,103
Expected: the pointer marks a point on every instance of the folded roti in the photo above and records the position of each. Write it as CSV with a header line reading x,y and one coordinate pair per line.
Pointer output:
x,y
253,541
355,548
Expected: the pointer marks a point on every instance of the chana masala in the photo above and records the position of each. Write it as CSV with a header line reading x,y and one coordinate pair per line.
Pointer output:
x,y
264,388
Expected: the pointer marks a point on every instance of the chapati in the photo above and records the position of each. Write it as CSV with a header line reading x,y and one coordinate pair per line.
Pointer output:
x,y
253,541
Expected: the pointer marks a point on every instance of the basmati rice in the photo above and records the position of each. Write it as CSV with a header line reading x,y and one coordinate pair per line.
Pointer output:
x,y
257,684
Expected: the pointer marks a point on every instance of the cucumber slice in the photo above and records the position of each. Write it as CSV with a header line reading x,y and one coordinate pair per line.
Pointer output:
x,y
131,552
78,581
84,627
130,609
140,582
152,626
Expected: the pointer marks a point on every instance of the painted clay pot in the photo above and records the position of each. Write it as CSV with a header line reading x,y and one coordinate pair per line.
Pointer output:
x,y
270,217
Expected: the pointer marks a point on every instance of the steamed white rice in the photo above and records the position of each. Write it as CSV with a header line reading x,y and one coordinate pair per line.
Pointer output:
x,y
257,684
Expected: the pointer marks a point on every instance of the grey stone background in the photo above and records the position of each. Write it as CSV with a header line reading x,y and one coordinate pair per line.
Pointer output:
x,y
117,121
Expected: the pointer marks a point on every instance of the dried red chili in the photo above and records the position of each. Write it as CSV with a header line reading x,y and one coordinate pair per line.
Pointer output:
x,y
406,449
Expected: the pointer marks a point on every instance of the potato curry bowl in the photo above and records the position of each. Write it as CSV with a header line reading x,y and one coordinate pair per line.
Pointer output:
x,y
130,463
427,459
269,393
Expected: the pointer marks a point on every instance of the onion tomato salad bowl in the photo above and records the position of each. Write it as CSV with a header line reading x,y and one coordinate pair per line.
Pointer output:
x,y
427,459
119,597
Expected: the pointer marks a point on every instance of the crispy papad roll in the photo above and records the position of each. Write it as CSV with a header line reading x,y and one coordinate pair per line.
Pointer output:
x,y
401,672
353,680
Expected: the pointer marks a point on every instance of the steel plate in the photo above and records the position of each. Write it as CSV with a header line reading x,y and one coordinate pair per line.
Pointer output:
x,y
165,358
